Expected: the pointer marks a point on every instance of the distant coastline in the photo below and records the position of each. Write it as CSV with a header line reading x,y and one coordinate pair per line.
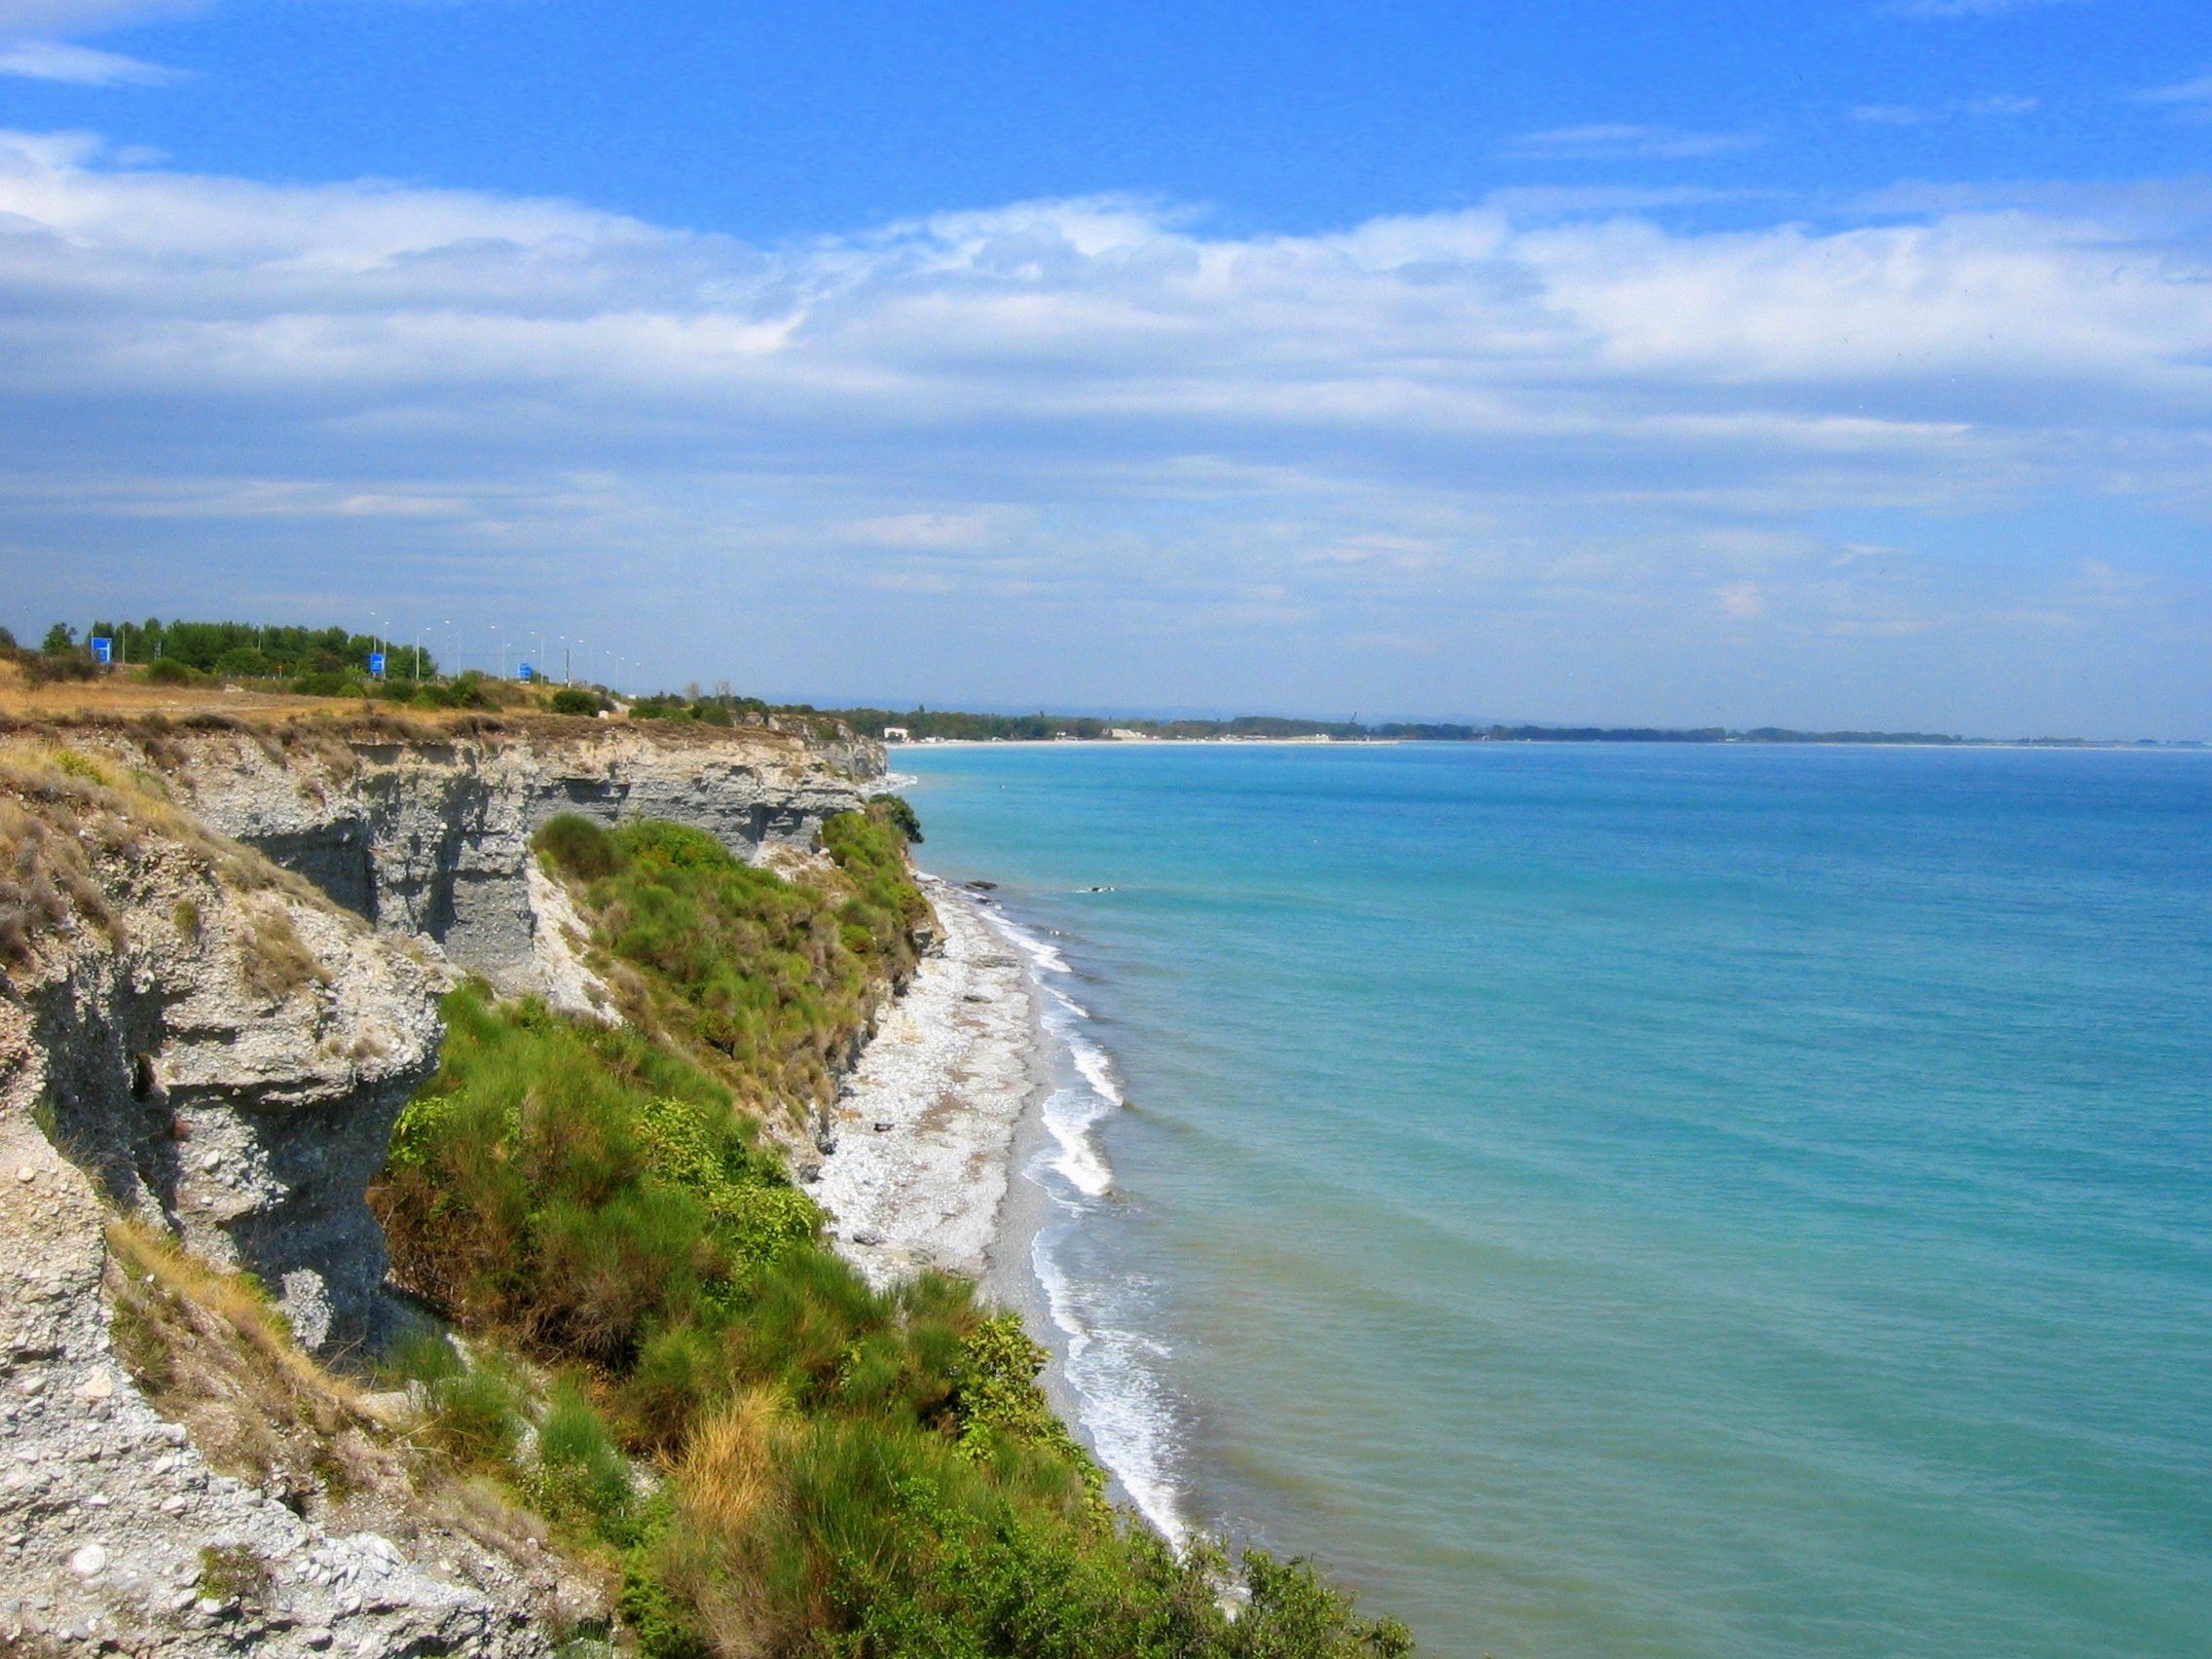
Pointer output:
x,y
944,725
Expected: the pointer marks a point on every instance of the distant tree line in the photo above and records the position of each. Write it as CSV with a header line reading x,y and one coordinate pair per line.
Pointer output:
x,y
953,725
259,650
318,661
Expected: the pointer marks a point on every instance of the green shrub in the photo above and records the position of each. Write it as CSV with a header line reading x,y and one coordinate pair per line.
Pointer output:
x,y
851,1473
167,671
578,1473
570,844
231,1573
899,812
476,1410
575,700
421,1357
764,980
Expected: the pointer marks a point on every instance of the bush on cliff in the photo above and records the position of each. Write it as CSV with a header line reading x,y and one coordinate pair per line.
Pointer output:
x,y
848,1473
900,813
764,979
575,700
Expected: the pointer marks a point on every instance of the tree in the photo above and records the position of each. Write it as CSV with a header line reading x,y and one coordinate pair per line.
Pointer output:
x,y
60,639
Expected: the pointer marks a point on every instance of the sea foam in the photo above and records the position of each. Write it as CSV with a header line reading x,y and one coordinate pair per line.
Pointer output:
x,y
1124,1402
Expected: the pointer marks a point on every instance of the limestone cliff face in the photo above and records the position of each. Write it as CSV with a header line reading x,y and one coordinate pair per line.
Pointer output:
x,y
220,955
237,938
218,1046
432,838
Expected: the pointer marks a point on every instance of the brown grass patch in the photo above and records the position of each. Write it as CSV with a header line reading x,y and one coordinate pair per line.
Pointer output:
x,y
63,805
726,1474
211,1352
276,961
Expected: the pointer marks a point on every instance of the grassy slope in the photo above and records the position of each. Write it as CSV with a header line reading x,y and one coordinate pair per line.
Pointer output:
x,y
848,1473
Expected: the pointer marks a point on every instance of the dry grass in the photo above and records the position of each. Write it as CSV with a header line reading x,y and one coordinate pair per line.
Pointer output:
x,y
47,881
211,1352
726,1479
150,715
728,1470
122,694
275,960
61,809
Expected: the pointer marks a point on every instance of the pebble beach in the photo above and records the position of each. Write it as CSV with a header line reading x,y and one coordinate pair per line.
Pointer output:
x,y
925,1127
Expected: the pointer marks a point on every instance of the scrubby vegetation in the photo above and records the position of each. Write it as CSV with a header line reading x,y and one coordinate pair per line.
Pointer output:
x,y
576,700
838,1471
62,810
767,981
308,662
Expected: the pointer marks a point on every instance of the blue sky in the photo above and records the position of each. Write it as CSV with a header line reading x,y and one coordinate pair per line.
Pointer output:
x,y
1826,364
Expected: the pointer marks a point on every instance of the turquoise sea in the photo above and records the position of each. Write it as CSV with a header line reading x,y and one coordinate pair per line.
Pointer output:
x,y
1638,1200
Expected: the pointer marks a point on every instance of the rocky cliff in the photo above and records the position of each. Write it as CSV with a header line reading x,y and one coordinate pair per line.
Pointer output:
x,y
209,1040
195,1043
222,949
430,836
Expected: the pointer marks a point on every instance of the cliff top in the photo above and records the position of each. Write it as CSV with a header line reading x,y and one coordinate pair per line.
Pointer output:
x,y
133,708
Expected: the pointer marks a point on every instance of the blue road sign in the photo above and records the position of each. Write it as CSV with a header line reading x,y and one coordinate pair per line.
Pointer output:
x,y
103,650
529,673
375,664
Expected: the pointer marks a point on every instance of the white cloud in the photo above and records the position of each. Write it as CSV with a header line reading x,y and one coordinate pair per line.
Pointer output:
x,y
1912,115
61,19
1096,415
81,66
2195,91
392,306
1741,602
1613,141
1965,8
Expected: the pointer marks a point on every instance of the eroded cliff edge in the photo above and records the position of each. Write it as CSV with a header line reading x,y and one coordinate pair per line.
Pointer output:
x,y
429,833
223,947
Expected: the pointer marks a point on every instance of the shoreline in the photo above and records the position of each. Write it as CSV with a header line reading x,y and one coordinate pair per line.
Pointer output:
x,y
924,1129
962,1076
2056,746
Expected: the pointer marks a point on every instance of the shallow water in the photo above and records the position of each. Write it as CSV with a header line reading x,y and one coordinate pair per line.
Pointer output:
x,y
1657,1200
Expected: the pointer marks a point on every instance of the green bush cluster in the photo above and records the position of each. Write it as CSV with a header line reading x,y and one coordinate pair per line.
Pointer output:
x,y
900,813
848,1473
565,1459
579,1189
468,689
765,980
575,700
254,651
